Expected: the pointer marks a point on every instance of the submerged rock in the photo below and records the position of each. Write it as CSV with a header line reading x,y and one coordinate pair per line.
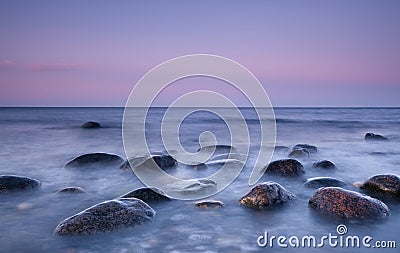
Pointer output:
x,y
72,189
383,184
317,182
94,159
299,153
164,161
91,124
375,137
107,216
281,149
147,194
340,203
285,167
17,183
192,186
219,149
324,164
207,204
267,194
308,147
135,161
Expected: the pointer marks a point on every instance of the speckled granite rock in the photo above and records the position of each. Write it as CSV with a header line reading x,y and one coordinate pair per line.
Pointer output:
x,y
383,184
285,167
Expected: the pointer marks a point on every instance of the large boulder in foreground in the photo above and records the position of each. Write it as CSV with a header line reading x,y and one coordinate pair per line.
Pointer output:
x,y
17,183
266,194
375,137
107,216
345,204
383,185
308,147
94,159
91,124
147,194
285,167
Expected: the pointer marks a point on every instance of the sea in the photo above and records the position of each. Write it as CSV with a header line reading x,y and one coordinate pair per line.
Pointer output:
x,y
38,142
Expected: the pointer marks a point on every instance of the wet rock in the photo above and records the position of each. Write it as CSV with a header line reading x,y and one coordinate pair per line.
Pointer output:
x,y
285,167
10,183
91,124
299,153
375,137
226,156
147,194
308,147
281,149
219,149
72,189
208,204
94,159
162,161
383,184
107,216
192,186
345,204
225,161
317,182
267,194
135,161
324,164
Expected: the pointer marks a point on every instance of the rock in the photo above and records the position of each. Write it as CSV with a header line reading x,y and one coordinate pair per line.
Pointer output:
x,y
375,137
225,161
94,159
164,161
72,189
285,167
135,161
106,216
219,149
267,194
317,182
147,194
236,156
206,204
308,147
324,164
91,124
281,149
340,203
383,184
17,183
299,153
192,186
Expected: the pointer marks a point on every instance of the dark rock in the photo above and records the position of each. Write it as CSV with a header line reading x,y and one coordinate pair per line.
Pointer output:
x,y
135,161
281,149
299,153
192,186
94,159
375,137
219,149
73,189
340,203
317,182
91,124
164,161
383,184
285,167
267,194
207,204
324,164
106,216
147,194
308,147
17,183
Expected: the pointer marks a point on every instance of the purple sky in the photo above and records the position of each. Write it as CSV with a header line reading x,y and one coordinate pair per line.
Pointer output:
x,y
305,53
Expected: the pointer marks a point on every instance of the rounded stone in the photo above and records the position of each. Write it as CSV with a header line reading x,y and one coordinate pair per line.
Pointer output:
x,y
308,147
91,124
324,164
383,184
317,182
299,153
17,183
285,167
209,204
375,137
93,159
147,194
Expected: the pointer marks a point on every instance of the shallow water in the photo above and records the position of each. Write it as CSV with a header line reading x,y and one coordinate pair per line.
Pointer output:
x,y
37,142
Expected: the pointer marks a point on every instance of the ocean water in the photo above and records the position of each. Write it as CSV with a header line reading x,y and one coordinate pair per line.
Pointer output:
x,y
38,142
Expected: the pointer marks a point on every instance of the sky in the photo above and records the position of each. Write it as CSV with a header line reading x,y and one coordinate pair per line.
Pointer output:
x,y
305,53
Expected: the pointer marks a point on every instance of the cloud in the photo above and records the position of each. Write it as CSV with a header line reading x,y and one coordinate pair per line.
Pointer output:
x,y
51,67
6,63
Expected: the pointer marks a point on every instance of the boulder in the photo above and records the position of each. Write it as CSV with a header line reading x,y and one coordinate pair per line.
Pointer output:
x,y
324,164
308,147
164,161
91,124
147,194
285,167
345,204
383,185
208,204
281,149
375,137
17,183
72,189
218,149
299,153
135,161
266,194
317,182
192,186
94,159
106,216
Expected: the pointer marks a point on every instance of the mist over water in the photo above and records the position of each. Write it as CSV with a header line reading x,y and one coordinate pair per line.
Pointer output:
x,y
38,142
